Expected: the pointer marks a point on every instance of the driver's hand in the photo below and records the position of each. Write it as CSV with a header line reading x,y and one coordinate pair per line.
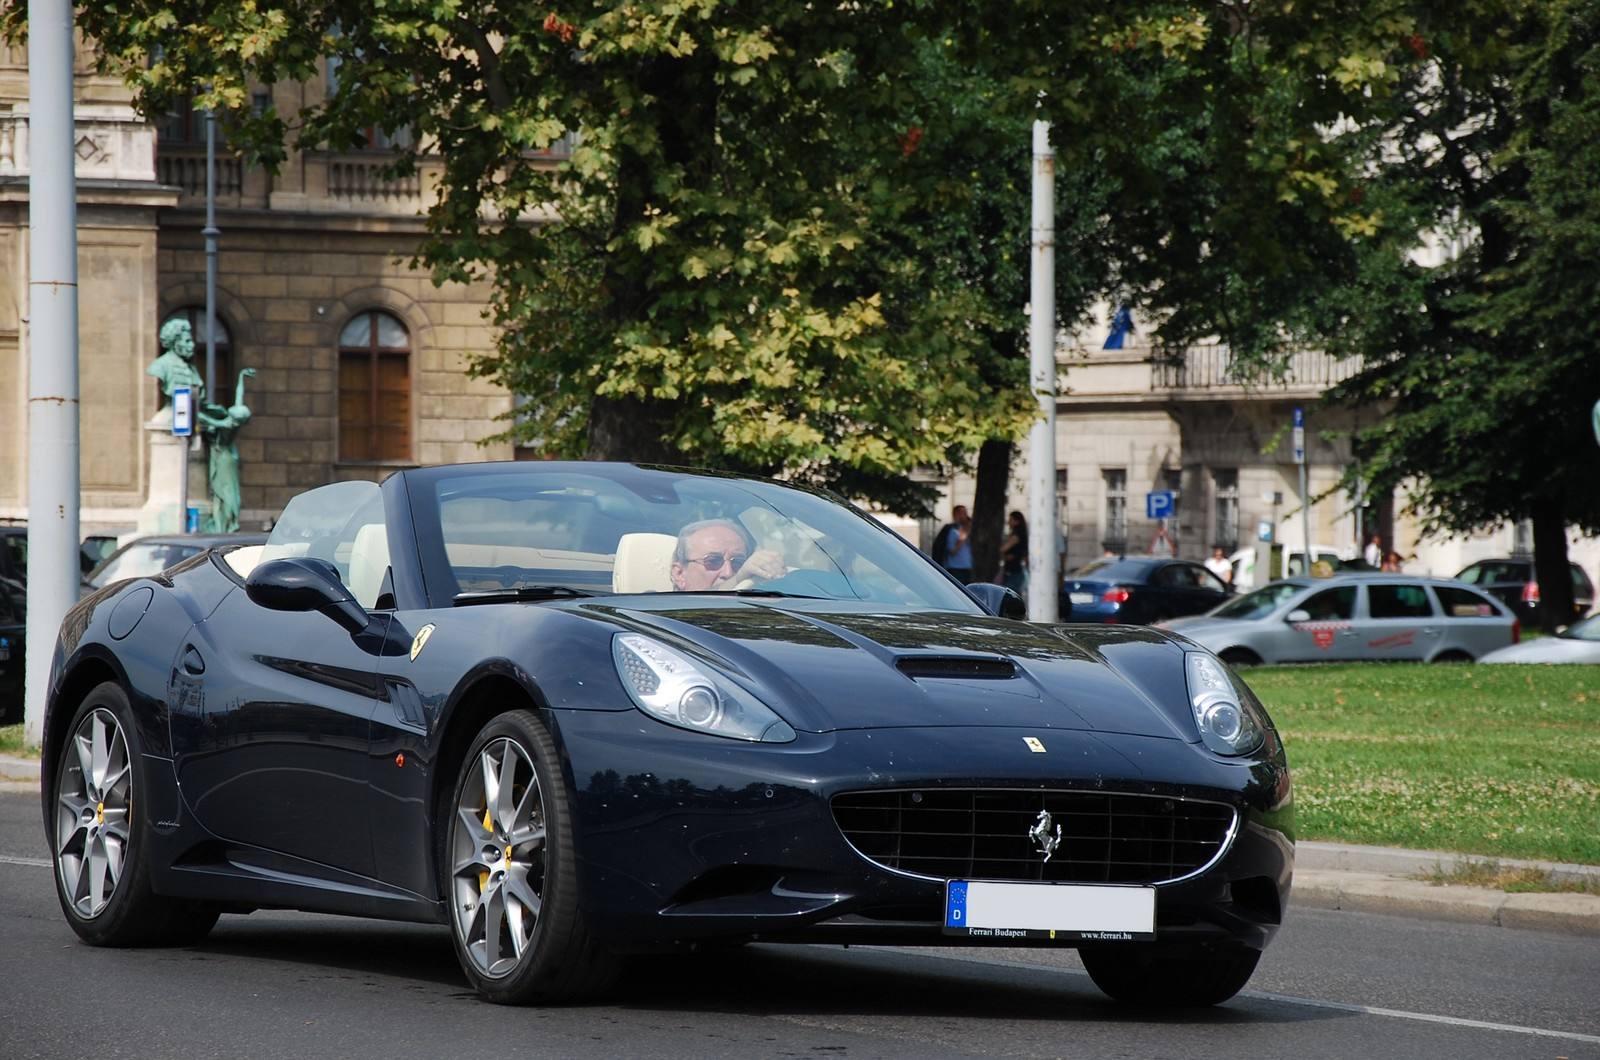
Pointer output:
x,y
763,564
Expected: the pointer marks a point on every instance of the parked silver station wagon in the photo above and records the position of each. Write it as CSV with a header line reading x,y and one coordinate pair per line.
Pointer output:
x,y
1354,617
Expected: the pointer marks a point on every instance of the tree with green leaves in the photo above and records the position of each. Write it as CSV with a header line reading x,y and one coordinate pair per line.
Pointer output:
x,y
732,268
1488,357
779,241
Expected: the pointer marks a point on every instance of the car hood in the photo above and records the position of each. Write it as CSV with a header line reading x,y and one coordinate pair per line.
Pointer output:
x,y
1547,650
828,666
1200,628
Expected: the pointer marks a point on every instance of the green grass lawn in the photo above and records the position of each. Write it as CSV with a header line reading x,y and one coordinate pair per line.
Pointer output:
x,y
11,741
1498,761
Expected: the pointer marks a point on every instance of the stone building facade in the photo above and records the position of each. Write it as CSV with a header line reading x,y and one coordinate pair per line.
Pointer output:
x,y
360,360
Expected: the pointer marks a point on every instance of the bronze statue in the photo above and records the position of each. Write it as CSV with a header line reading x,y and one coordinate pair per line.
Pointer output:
x,y
220,425
175,366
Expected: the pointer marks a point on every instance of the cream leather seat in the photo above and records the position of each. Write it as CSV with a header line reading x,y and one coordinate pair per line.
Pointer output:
x,y
369,562
644,563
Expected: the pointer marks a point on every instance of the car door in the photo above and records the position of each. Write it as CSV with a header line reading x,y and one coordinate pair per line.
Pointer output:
x,y
1189,589
271,725
1474,625
1322,627
272,709
1398,621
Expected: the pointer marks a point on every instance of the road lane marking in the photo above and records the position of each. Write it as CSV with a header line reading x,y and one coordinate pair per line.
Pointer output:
x,y
42,863
1256,995
1425,1017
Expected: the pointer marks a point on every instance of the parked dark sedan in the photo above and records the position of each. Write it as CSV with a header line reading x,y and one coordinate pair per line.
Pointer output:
x,y
14,553
13,657
1140,589
1513,582
576,711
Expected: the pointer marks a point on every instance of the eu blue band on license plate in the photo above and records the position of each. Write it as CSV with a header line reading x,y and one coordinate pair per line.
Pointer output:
x,y
1066,912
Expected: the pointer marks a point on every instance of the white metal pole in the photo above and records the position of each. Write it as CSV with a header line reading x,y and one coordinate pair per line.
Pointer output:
x,y
52,348
1044,576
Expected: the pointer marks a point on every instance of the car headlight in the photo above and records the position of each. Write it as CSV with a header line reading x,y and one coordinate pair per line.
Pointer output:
x,y
1227,722
670,686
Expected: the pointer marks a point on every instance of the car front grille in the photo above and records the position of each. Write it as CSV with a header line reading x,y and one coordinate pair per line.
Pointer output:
x,y
984,834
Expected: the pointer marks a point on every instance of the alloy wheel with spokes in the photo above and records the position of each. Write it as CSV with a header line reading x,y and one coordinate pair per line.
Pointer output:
x,y
512,885
499,857
102,844
93,801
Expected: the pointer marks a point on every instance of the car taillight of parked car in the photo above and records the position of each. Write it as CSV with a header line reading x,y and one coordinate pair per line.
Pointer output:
x,y
1530,593
1116,595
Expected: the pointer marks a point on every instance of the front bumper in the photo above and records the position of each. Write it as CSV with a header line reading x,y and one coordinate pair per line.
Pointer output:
x,y
684,839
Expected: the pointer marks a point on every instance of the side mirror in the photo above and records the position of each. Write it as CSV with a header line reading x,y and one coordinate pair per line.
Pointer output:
x,y
998,600
1299,614
302,584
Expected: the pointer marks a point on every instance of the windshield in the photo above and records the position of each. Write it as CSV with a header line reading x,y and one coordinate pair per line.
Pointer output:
x,y
602,529
1260,603
1588,629
140,560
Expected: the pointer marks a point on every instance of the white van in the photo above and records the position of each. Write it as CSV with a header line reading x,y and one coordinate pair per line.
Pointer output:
x,y
1286,562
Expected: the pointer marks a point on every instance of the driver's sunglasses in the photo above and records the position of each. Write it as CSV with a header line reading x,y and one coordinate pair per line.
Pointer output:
x,y
715,560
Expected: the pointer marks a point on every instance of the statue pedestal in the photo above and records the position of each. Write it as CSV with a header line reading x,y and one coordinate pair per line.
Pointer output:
x,y
170,457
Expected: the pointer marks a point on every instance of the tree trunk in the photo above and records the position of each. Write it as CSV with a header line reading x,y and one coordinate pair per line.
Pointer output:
x,y
989,508
1550,565
630,429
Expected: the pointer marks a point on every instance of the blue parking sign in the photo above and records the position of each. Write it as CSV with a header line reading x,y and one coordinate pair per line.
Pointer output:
x,y
1159,504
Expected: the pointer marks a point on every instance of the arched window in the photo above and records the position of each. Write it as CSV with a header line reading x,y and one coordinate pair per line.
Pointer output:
x,y
219,390
375,389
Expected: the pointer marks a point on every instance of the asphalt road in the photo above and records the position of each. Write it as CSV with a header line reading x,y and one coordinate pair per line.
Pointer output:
x,y
270,985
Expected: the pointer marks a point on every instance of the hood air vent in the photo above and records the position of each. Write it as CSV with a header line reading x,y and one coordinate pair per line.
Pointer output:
x,y
976,667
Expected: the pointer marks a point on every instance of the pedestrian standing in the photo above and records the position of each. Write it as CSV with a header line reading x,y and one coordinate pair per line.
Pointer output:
x,y
1218,564
1014,554
956,546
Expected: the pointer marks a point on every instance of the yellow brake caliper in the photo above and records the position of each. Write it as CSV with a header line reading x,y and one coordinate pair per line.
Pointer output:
x,y
488,826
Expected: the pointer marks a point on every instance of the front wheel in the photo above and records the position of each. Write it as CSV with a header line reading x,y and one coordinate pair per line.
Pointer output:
x,y
1151,975
101,843
1237,657
518,932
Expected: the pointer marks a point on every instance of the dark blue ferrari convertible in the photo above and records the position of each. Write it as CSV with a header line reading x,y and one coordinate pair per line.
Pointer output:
x,y
576,711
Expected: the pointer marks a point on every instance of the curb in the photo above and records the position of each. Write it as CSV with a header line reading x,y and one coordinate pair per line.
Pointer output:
x,y
1371,892
19,770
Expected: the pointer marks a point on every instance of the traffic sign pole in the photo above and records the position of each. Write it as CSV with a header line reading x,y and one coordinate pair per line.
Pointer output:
x,y
1305,489
183,428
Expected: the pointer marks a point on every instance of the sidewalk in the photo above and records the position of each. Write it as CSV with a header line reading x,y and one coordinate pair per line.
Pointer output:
x,y
1335,876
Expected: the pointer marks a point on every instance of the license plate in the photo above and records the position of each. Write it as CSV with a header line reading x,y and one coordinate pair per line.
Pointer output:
x,y
1069,912
1081,598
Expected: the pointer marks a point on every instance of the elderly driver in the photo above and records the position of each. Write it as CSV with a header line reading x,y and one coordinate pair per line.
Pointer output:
x,y
713,554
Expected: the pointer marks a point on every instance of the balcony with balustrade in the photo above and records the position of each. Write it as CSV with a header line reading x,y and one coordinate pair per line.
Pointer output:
x,y
1206,372
317,182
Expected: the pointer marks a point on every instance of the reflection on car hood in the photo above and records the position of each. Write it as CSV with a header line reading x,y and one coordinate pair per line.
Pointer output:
x,y
840,668
1198,625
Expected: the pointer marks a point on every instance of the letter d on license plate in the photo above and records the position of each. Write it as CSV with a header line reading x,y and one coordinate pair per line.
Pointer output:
x,y
1069,912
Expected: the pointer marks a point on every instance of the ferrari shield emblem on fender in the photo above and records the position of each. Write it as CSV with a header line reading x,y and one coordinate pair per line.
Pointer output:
x,y
420,639
1035,744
